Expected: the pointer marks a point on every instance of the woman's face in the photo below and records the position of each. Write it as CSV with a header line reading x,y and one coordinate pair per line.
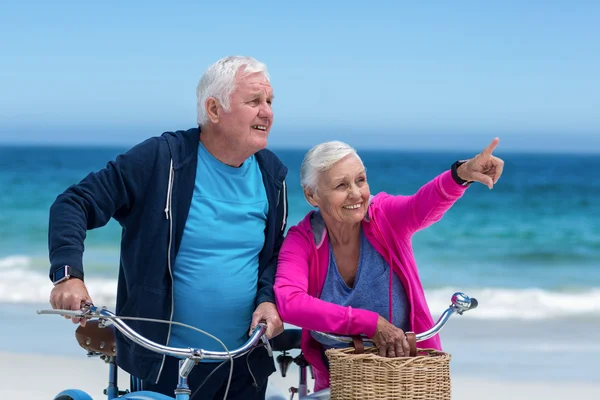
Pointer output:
x,y
342,192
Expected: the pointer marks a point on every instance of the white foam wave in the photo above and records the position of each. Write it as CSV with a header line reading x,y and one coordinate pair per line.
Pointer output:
x,y
15,262
527,304
20,282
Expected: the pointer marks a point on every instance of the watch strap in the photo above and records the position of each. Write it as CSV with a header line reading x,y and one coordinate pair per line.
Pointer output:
x,y
65,272
455,176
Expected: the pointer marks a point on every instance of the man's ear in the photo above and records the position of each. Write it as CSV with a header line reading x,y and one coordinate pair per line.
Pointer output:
x,y
310,195
213,109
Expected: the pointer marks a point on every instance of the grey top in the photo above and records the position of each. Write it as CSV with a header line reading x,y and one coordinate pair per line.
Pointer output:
x,y
371,288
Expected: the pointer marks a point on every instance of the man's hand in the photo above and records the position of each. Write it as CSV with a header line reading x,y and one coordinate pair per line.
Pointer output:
x,y
483,168
267,312
69,295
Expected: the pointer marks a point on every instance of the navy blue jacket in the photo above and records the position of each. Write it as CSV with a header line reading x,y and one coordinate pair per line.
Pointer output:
x,y
148,190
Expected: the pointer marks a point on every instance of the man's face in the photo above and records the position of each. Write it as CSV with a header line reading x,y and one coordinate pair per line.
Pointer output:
x,y
249,120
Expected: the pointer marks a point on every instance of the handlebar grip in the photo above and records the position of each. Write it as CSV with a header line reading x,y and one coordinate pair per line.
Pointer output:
x,y
474,303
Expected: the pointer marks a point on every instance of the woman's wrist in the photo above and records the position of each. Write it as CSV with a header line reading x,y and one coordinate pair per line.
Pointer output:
x,y
456,169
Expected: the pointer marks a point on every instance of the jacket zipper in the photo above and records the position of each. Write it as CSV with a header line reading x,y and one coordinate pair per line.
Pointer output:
x,y
284,219
169,216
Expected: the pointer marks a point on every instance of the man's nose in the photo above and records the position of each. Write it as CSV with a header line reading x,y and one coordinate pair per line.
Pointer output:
x,y
265,111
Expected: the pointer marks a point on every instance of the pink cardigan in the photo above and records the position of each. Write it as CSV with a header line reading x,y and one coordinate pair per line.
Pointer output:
x,y
389,226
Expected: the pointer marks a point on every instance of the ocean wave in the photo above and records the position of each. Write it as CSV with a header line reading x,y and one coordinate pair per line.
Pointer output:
x,y
21,283
14,262
526,304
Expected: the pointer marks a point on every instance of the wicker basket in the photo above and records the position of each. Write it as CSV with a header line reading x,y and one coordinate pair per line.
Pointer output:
x,y
369,376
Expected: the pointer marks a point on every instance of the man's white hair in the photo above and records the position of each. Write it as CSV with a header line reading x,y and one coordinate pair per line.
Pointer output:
x,y
320,159
219,81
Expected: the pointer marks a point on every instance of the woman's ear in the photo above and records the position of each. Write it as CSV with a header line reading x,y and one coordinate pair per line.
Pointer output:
x,y
310,195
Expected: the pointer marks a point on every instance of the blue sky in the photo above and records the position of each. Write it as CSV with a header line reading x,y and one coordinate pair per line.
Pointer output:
x,y
431,75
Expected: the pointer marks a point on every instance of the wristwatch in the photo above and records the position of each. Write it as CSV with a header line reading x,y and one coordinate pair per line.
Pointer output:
x,y
65,272
455,176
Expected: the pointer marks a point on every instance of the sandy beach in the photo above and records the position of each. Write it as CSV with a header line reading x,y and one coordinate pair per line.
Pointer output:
x,y
494,360
43,381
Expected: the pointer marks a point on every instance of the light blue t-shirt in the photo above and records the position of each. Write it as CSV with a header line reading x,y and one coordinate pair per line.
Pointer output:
x,y
215,272
371,290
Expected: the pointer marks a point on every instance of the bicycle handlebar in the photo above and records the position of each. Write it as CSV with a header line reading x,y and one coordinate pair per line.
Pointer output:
x,y
91,311
460,303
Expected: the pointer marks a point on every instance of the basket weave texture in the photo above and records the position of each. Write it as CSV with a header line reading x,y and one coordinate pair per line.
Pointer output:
x,y
369,376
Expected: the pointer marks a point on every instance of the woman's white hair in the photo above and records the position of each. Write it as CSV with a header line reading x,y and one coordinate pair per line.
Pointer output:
x,y
219,81
320,159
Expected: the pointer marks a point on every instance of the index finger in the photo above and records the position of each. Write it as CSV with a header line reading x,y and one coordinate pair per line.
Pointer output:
x,y
491,147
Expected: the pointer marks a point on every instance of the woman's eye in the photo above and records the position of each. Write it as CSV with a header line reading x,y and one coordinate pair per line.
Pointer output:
x,y
341,186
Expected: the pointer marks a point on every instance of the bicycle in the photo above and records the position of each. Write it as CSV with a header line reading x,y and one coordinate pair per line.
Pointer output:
x,y
98,339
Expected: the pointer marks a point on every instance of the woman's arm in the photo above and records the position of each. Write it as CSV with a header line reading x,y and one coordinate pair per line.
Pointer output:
x,y
299,308
412,213
408,214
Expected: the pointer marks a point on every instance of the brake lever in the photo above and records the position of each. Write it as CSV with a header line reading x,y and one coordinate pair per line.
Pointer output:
x,y
267,345
66,313
87,308
86,311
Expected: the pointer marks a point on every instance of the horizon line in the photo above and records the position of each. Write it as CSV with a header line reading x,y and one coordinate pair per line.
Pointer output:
x,y
387,149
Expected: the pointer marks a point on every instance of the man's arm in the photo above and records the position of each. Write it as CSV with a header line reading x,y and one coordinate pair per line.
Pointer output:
x,y
267,278
90,204
94,201
265,298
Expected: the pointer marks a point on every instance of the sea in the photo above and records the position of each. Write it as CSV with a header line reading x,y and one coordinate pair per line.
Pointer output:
x,y
527,249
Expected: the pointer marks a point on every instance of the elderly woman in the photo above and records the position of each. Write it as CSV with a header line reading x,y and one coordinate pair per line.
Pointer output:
x,y
348,268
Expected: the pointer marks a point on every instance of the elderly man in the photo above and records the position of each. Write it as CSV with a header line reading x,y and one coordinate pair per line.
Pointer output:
x,y
203,213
